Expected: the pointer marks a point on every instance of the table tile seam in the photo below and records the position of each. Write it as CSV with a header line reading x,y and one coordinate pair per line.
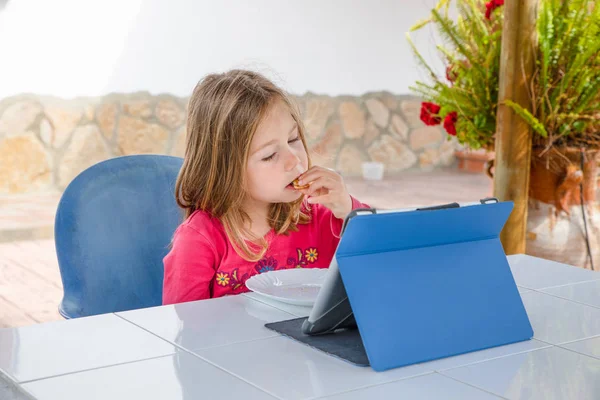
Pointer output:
x,y
374,385
580,353
562,298
309,398
548,345
191,352
274,335
577,340
474,386
93,369
571,300
566,284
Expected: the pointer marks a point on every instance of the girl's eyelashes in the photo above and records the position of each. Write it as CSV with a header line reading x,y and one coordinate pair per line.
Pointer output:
x,y
269,158
294,140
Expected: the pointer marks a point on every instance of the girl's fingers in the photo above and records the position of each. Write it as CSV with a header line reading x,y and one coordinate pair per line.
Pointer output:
x,y
324,199
315,173
321,183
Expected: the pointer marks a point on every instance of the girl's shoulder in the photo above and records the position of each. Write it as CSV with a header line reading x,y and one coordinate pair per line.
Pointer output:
x,y
203,223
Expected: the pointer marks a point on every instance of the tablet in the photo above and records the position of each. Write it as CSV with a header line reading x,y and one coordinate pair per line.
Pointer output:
x,y
332,311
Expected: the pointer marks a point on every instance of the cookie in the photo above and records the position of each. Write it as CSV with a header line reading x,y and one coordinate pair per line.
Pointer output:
x,y
297,185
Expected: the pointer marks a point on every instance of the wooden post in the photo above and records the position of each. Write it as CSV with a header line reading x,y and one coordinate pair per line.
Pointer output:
x,y
513,135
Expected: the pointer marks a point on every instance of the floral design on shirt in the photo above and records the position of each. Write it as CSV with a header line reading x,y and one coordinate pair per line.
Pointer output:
x,y
265,265
309,255
238,282
222,279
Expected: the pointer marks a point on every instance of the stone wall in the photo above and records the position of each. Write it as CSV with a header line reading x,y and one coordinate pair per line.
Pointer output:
x,y
45,142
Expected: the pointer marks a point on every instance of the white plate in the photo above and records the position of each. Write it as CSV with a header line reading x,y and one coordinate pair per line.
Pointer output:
x,y
297,286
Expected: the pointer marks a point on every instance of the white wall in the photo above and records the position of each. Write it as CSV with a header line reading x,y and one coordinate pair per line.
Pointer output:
x,y
80,47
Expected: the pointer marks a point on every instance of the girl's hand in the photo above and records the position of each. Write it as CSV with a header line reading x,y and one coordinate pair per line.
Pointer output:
x,y
327,187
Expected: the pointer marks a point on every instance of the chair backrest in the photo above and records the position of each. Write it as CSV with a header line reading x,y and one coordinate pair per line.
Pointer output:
x,y
114,224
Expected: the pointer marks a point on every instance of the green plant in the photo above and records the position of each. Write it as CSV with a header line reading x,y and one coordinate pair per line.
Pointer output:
x,y
566,82
565,87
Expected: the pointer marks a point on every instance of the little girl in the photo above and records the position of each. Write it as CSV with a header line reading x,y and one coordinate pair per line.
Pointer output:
x,y
243,214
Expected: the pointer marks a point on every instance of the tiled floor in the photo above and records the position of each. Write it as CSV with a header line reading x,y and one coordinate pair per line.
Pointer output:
x,y
27,216
30,285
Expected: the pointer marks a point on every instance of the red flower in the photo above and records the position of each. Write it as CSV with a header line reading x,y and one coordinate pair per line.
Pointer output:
x,y
450,123
429,113
491,6
488,10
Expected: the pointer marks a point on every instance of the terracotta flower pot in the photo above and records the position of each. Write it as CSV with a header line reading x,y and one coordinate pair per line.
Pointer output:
x,y
558,227
555,225
473,161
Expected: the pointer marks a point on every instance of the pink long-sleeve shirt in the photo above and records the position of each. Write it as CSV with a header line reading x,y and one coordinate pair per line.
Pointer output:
x,y
203,263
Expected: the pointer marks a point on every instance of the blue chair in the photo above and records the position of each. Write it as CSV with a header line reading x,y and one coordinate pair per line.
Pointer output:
x,y
114,224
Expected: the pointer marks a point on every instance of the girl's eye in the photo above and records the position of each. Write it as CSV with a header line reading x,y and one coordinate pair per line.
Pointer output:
x,y
294,140
270,157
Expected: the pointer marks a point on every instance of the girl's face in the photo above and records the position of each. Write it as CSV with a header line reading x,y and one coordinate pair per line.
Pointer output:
x,y
277,156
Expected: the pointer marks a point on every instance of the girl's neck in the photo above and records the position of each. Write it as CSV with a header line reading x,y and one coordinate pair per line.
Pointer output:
x,y
259,218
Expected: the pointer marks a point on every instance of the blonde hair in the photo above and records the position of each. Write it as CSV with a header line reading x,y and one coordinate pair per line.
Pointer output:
x,y
224,113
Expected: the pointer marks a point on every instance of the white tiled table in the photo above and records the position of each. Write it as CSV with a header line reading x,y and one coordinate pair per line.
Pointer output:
x,y
220,349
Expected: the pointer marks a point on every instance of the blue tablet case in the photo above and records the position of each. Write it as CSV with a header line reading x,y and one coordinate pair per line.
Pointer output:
x,y
430,284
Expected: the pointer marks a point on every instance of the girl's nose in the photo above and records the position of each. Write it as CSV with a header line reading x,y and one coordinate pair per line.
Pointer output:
x,y
292,161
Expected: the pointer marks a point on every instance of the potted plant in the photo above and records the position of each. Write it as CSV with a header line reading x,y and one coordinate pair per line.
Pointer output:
x,y
563,222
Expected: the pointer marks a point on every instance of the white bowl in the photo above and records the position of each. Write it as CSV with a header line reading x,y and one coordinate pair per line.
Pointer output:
x,y
298,286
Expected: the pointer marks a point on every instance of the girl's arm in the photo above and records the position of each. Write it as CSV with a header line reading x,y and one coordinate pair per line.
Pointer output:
x,y
336,223
189,267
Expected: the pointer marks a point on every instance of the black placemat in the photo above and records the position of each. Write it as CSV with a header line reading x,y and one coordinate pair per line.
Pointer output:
x,y
345,344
